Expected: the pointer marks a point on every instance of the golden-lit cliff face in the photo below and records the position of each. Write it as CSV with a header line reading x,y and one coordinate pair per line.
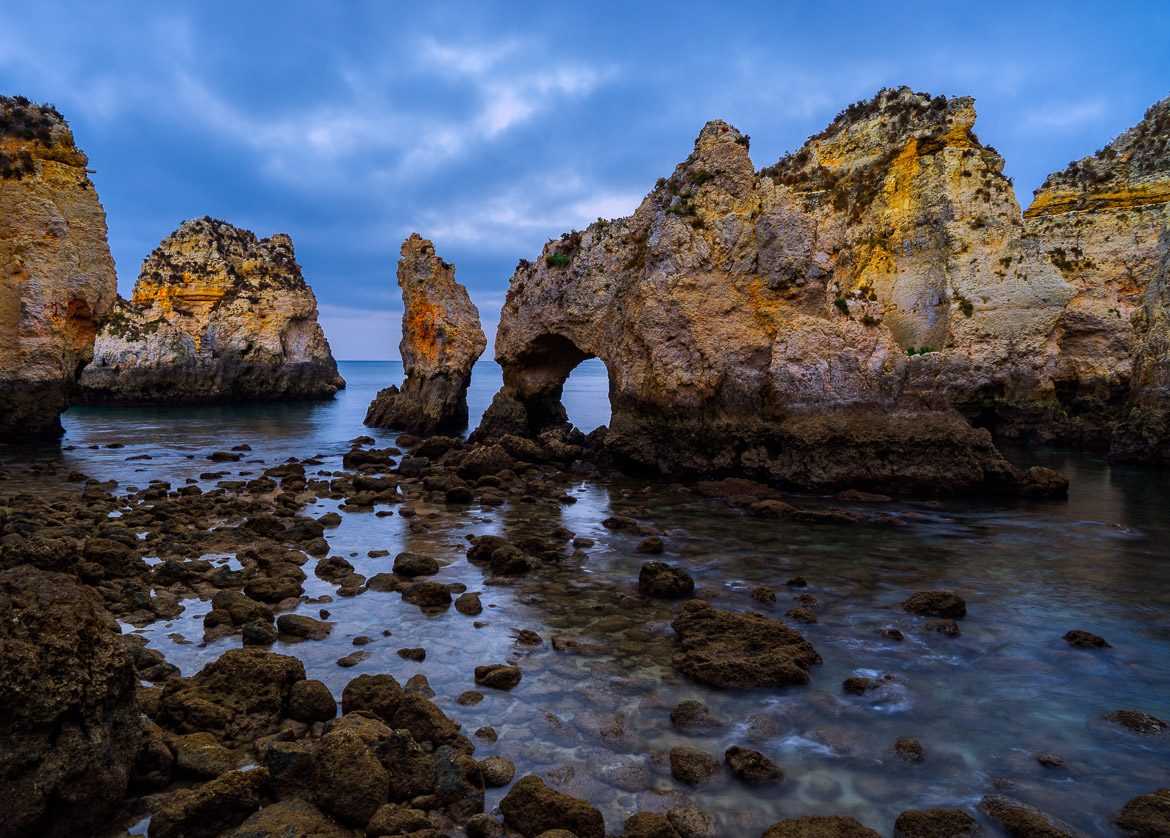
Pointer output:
x,y
441,341
57,280
216,315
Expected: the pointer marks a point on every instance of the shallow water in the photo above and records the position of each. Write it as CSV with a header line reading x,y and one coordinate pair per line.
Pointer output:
x,y
983,704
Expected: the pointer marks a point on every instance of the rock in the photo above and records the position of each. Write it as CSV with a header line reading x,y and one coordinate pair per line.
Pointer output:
x,y
936,823
497,771
155,762
527,637
56,269
728,650
690,822
651,544
1049,760
469,698
818,826
1142,723
801,614
201,755
1020,820
289,819
1085,640
693,715
648,825
210,809
910,750
752,766
379,694
441,341
258,633
412,564
659,579
427,594
469,604
413,654
949,628
763,595
70,729
942,604
497,676
860,686
238,697
483,826
1146,816
531,808
693,766
302,627
392,819
310,701
217,315
349,781
890,634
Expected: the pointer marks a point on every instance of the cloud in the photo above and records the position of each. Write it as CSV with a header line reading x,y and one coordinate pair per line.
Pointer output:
x,y
361,334
1066,117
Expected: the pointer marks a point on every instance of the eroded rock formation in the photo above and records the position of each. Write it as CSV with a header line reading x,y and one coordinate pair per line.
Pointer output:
x,y
57,281
441,341
217,315
808,324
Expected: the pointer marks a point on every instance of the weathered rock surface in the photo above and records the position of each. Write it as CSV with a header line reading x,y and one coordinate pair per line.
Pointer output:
x,y
819,826
217,315
728,650
1019,820
57,280
69,721
530,807
807,325
441,341
1146,816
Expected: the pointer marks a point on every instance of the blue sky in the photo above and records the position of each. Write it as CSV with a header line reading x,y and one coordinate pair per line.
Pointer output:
x,y
491,128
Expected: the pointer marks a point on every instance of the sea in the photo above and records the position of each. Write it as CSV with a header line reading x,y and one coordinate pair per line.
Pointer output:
x,y
594,719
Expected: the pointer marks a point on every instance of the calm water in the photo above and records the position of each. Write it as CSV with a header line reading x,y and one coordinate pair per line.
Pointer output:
x,y
983,704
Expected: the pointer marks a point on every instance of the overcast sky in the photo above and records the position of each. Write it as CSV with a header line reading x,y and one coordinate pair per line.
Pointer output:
x,y
490,128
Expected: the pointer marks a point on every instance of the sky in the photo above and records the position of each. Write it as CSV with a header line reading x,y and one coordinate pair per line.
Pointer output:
x,y
491,128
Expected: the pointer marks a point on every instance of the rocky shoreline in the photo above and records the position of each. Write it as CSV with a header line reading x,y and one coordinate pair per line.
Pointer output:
x,y
250,746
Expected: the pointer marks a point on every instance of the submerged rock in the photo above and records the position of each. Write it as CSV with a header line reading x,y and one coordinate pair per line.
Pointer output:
x,y
729,650
55,269
441,341
217,315
70,725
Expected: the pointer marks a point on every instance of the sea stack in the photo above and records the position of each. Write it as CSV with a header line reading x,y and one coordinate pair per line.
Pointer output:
x,y
441,341
808,324
57,280
217,316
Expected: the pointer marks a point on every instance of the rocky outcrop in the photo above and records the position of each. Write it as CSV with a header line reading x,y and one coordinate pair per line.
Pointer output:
x,y
217,315
69,720
1104,223
809,324
57,281
441,341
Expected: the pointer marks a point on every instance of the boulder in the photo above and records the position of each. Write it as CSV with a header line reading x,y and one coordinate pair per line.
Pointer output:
x,y
310,701
295,818
693,766
1019,820
497,676
936,823
941,604
210,809
1146,816
659,579
349,781
752,767
819,826
531,808
724,649
379,694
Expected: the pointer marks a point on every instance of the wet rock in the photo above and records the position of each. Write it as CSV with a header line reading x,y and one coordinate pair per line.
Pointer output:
x,y
238,697
392,819
483,826
302,627
349,781
801,614
1085,640
910,750
947,628
936,823
510,560
418,685
413,654
459,786
651,544
427,723
730,650
201,755
469,698
332,569
1019,820
469,604
819,826
648,825
658,579
378,694
497,676
384,582
1146,816
751,766
154,764
942,604
210,809
797,582
1049,760
690,822
427,594
497,771
858,685
70,727
890,634
289,819
258,633
527,637
693,766
310,701
772,509
531,808
693,715
764,595
353,658
410,565
1142,723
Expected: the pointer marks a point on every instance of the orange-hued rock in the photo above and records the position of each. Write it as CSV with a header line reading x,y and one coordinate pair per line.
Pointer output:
x,y
441,341
217,315
808,324
57,281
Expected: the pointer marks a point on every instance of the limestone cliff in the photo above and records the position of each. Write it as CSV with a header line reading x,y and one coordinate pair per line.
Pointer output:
x,y
57,280
217,315
1104,222
807,324
441,341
